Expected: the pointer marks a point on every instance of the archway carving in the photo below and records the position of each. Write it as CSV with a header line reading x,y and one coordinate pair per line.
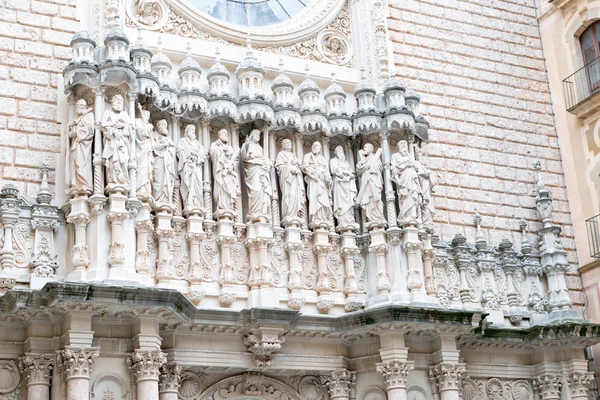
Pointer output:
x,y
250,386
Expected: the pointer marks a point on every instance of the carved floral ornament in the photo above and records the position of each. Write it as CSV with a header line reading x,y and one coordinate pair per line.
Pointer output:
x,y
321,32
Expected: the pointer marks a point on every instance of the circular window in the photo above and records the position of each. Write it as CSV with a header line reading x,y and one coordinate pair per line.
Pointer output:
x,y
251,13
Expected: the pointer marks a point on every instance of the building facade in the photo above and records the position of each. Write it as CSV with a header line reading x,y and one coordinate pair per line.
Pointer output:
x,y
279,200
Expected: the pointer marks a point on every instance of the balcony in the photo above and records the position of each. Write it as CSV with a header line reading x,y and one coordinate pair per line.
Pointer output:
x,y
593,232
582,90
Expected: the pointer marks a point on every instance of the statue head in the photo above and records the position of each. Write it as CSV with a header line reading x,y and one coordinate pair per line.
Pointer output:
x,y
223,135
163,127
254,136
117,103
190,132
81,107
403,148
339,153
368,149
286,144
316,148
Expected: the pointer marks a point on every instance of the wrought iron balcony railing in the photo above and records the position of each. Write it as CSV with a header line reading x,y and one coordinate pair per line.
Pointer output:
x,y
593,232
582,84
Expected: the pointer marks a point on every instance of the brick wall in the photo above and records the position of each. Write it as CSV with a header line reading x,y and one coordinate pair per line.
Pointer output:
x,y
34,48
480,70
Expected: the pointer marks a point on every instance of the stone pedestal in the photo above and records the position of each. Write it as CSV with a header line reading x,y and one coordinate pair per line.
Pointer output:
x,y
225,238
97,229
394,376
144,228
194,236
322,246
379,247
145,367
293,245
117,214
164,232
79,217
76,366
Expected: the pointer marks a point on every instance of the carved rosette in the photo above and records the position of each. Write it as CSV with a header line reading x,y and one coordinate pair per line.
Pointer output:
x,y
448,376
170,378
395,373
145,364
36,368
77,363
341,383
548,385
579,383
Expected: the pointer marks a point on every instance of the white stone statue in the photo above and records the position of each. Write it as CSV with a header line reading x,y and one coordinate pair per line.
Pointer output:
x,y
80,176
258,179
291,182
344,190
370,168
148,12
406,177
163,178
145,161
117,130
425,199
191,156
319,184
225,171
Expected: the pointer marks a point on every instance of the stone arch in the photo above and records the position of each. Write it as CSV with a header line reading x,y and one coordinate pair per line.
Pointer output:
x,y
574,27
110,384
250,386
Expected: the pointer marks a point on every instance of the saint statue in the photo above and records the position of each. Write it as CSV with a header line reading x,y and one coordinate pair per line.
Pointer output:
x,y
117,130
225,171
145,161
258,179
425,200
80,176
293,196
163,178
344,190
191,156
406,177
148,12
319,183
369,168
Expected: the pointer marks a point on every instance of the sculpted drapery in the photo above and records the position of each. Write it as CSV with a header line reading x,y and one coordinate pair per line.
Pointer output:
x,y
145,161
344,189
81,135
163,179
117,130
426,200
191,156
291,182
406,177
370,168
225,172
319,184
257,177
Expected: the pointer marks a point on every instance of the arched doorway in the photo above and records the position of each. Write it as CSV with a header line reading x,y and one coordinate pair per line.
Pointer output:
x,y
250,386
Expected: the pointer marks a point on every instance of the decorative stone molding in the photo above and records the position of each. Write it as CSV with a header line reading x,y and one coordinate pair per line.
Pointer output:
x,y
263,342
145,364
36,368
253,384
341,383
170,378
77,362
548,385
395,373
447,376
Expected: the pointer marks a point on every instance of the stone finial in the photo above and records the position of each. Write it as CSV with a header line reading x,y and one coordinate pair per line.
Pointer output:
x,y
526,247
480,241
44,196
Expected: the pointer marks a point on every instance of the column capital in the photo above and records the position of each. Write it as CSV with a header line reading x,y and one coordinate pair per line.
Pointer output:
x,y
341,383
170,378
395,373
579,382
36,368
447,376
548,385
77,362
145,364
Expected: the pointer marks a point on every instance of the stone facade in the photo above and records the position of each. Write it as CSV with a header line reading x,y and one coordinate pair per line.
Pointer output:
x,y
119,283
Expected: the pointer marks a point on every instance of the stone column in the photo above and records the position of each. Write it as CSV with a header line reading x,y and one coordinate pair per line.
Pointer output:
x,y
79,217
145,367
390,197
383,284
394,376
144,228
36,369
97,159
324,303
76,366
227,295
448,379
549,386
235,143
9,217
132,166
208,210
296,299
341,384
169,381
579,382
164,232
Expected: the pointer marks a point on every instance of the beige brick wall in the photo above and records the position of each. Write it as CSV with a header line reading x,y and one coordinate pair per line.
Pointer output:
x,y
480,70
34,48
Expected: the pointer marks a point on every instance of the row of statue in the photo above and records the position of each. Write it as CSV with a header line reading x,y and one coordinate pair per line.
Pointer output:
x,y
331,190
